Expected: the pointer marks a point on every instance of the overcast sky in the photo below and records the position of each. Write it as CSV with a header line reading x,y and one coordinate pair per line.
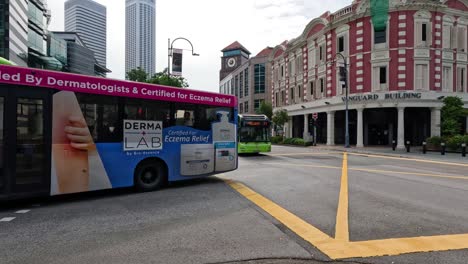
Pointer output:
x,y
210,25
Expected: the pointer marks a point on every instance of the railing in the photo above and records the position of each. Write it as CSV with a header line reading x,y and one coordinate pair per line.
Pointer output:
x,y
342,12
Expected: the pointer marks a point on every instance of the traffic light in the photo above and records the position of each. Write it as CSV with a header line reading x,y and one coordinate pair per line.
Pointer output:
x,y
343,74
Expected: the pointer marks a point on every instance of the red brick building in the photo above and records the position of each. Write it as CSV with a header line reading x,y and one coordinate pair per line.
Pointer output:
x,y
397,76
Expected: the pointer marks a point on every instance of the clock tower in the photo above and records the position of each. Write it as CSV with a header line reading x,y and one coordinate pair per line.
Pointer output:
x,y
234,56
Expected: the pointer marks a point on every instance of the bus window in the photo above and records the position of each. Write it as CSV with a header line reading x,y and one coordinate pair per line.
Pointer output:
x,y
148,110
102,117
185,115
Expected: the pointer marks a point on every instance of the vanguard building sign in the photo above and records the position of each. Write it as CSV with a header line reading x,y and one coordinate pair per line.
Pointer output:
x,y
386,96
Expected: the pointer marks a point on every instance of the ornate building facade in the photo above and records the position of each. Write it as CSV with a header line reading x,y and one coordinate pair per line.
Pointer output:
x,y
398,72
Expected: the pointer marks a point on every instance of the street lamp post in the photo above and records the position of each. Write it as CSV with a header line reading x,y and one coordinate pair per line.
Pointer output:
x,y
170,49
344,77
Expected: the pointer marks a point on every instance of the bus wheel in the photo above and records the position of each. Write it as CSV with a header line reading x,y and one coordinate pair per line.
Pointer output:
x,y
150,175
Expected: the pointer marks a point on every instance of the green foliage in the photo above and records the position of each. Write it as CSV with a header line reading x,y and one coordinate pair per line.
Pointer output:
x,y
454,143
451,114
435,141
137,75
295,141
265,109
280,118
277,140
162,78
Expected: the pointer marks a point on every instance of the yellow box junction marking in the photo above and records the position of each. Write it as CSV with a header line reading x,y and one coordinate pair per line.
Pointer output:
x,y
340,247
341,228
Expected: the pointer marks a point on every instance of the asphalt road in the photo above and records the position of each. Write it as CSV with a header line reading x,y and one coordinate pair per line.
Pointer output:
x,y
294,205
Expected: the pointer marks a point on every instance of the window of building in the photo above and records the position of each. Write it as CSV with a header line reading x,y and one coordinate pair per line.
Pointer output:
x,y
276,99
283,97
447,79
312,88
421,77
382,75
246,107
341,44
461,38
282,71
241,86
291,96
380,37
236,86
241,108
299,92
380,78
259,75
312,58
447,36
321,53
424,32
299,64
321,87
246,82
461,79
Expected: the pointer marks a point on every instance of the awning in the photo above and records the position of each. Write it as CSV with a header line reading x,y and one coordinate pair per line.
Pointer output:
x,y
379,13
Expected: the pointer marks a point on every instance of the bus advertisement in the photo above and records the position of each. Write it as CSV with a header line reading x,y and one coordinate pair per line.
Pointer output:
x,y
254,134
65,133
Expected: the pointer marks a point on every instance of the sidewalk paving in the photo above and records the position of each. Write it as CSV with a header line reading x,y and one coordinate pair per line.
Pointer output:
x,y
415,153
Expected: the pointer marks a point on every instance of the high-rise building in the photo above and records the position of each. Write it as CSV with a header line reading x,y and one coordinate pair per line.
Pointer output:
x,y
140,35
89,20
23,34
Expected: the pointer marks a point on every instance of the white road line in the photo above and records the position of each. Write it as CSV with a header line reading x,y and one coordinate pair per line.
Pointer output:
x,y
22,211
7,219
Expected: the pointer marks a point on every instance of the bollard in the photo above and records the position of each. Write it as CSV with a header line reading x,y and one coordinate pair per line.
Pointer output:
x,y
408,146
424,147
443,148
463,150
393,145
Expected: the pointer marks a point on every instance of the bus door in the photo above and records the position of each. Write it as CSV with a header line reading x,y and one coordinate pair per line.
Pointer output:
x,y
25,136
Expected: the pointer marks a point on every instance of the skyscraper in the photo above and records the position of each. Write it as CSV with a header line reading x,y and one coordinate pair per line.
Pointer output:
x,y
140,35
89,20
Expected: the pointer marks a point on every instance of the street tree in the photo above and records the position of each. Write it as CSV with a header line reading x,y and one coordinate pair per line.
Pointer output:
x,y
137,75
451,115
280,118
265,109
162,78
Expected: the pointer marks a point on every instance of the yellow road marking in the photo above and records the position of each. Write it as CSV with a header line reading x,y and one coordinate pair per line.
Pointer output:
x,y
339,249
396,246
459,177
294,223
342,228
410,159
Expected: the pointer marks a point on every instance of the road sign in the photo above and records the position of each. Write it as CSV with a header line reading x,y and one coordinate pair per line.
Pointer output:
x,y
315,116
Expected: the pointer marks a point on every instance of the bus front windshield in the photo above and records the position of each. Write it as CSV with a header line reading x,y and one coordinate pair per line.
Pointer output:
x,y
254,134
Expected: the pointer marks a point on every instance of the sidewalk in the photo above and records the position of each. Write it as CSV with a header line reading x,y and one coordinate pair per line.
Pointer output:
x,y
415,153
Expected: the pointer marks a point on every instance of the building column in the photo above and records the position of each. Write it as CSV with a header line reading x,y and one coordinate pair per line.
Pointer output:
x,y
290,128
401,128
435,122
360,125
306,128
331,128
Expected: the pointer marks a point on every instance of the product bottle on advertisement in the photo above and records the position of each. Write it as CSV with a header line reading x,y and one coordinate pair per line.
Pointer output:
x,y
224,136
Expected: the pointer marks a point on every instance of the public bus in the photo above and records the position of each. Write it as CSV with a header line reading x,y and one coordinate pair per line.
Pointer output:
x,y
65,133
254,134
